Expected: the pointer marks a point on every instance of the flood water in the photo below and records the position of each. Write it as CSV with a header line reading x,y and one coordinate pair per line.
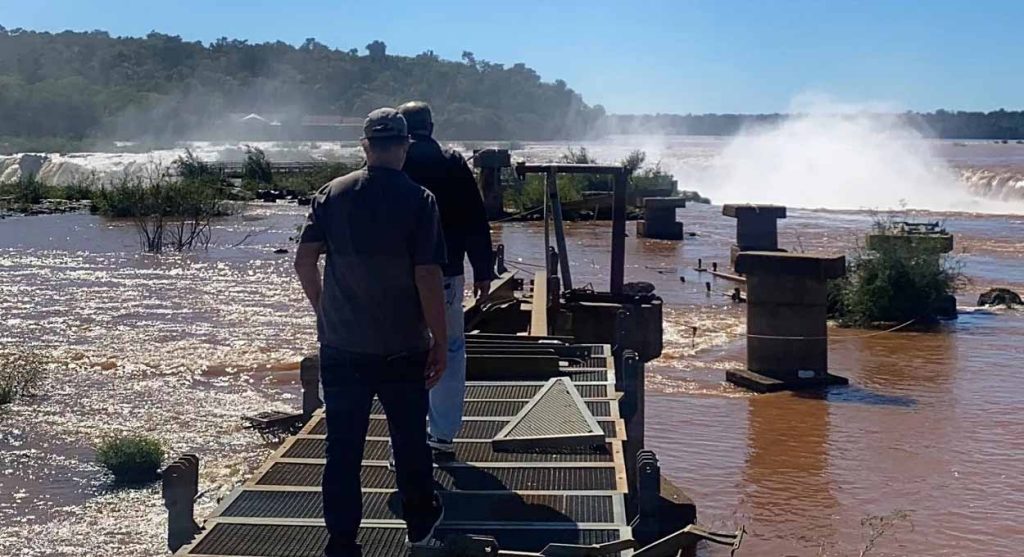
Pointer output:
x,y
182,346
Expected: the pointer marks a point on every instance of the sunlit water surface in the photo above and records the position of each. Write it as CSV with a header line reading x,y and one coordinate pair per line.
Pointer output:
x,y
182,346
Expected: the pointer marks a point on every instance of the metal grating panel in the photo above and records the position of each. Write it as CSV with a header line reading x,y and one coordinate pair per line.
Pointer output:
x,y
588,375
556,417
459,478
523,392
273,540
473,409
593,362
471,429
464,452
502,409
460,507
529,539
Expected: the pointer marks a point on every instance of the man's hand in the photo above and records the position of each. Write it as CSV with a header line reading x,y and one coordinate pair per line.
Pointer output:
x,y
481,289
437,360
307,265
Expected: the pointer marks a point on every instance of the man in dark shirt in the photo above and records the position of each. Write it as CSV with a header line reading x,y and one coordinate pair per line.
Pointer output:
x,y
380,322
445,174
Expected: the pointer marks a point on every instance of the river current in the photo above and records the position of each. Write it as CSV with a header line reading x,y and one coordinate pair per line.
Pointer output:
x,y
929,434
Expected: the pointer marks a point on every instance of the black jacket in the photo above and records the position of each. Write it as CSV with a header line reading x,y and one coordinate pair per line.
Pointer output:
x,y
466,232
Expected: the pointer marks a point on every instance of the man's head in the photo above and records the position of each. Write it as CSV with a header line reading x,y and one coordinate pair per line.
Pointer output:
x,y
417,115
385,138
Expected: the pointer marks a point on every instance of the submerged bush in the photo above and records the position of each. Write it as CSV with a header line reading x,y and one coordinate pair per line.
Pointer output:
x,y
131,458
19,374
895,282
257,166
307,182
190,167
168,213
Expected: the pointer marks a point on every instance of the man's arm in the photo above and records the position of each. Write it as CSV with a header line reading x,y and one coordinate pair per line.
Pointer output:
x,y
431,290
307,266
478,230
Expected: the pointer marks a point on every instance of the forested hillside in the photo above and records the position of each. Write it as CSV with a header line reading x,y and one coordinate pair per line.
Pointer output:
x,y
64,91
75,85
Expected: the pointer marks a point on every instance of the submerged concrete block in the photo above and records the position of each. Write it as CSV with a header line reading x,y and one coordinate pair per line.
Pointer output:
x,y
934,243
756,227
660,218
787,330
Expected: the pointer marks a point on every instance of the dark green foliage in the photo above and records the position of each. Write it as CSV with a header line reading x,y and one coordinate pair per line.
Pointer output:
x,y
896,283
577,156
30,191
633,161
168,213
307,182
131,458
653,179
531,192
257,168
26,191
81,85
191,167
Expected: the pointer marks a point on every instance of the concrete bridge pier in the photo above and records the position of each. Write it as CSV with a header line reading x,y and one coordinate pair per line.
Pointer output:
x,y
490,162
757,228
660,219
787,331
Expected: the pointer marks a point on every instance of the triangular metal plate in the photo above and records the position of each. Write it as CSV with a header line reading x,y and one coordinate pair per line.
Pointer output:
x,y
555,418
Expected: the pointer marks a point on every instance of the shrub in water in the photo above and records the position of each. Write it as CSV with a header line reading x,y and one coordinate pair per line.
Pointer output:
x,y
257,166
894,283
131,458
19,373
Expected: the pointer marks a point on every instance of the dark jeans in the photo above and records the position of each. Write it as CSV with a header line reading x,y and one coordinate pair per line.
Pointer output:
x,y
350,381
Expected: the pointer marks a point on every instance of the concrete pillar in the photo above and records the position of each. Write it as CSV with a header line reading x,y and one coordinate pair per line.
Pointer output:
x,y
660,218
757,228
490,162
787,330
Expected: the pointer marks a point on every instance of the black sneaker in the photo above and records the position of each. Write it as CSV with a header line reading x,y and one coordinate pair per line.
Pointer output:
x,y
440,445
421,524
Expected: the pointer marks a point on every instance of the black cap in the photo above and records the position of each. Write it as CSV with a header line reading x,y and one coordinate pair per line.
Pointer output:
x,y
417,115
384,122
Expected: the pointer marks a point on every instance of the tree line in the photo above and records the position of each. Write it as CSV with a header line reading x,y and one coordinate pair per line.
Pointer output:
x,y
997,125
81,85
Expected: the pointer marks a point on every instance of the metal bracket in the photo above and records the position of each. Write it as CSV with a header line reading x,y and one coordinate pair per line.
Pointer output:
x,y
669,546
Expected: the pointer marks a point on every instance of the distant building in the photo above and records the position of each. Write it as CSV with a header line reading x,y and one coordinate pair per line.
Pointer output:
x,y
284,127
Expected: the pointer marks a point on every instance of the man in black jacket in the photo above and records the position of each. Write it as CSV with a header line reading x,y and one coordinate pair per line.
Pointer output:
x,y
444,173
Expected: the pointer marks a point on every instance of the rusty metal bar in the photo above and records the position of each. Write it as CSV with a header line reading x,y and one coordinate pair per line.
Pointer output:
x,y
556,210
547,236
619,233
522,169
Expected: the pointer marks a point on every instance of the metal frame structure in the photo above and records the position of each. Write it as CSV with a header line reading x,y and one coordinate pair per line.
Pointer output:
x,y
553,208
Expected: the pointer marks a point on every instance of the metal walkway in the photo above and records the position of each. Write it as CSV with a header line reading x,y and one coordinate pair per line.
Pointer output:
x,y
525,500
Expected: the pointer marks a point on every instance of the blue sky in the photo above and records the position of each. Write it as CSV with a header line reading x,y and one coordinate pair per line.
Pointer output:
x,y
642,56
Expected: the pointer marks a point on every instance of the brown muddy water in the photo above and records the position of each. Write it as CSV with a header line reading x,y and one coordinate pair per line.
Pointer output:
x,y
181,346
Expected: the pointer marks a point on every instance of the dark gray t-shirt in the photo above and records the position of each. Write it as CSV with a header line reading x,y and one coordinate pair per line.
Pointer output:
x,y
377,225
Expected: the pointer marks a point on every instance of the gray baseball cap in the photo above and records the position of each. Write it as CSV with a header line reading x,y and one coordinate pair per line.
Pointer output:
x,y
385,122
